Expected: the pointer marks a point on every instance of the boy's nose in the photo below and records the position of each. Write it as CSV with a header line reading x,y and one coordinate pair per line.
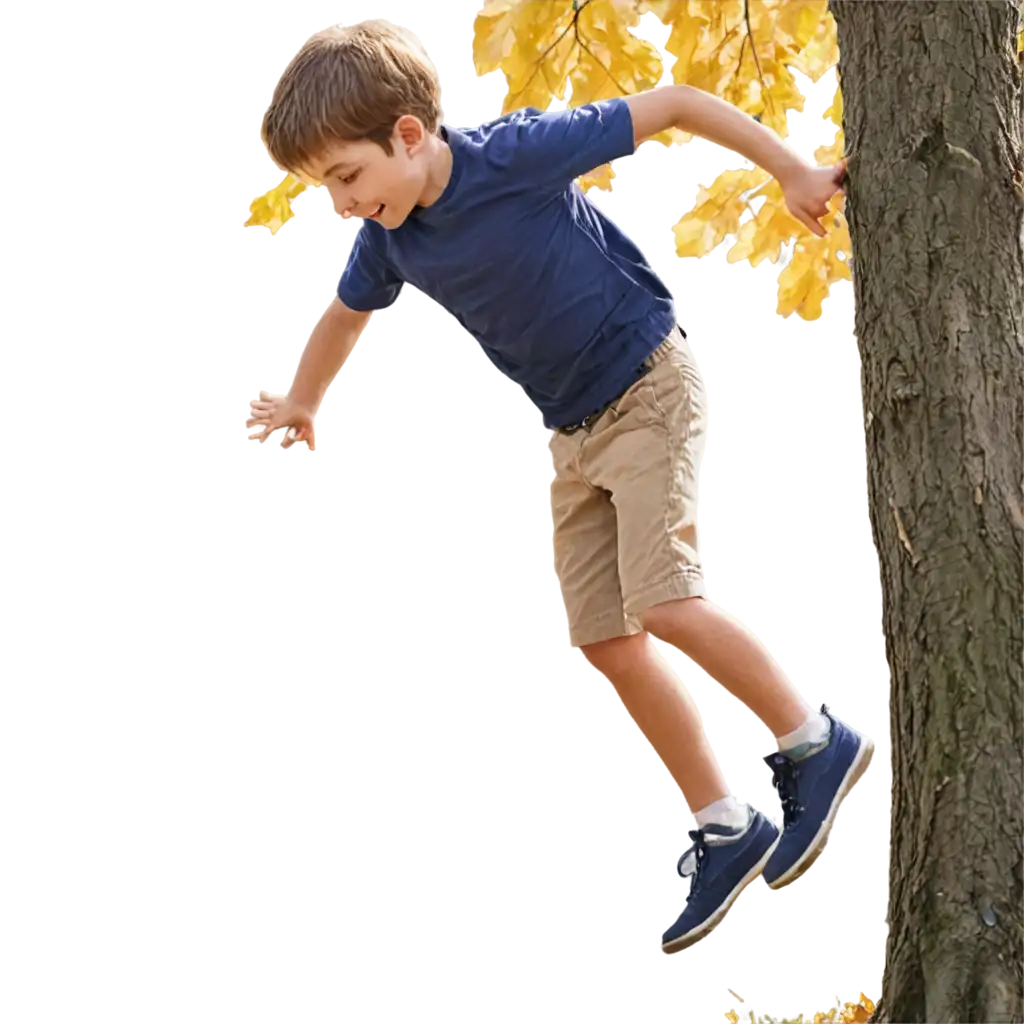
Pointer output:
x,y
344,208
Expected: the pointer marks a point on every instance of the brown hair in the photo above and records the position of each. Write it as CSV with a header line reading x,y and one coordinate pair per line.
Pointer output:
x,y
350,83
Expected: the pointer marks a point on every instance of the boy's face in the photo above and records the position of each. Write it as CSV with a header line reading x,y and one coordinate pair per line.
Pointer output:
x,y
364,181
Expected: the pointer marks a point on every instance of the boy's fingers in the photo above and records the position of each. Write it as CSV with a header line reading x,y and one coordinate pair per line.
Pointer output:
x,y
808,216
294,436
807,220
299,435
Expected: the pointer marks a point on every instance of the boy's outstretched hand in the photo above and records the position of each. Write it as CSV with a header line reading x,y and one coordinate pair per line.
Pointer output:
x,y
808,191
274,411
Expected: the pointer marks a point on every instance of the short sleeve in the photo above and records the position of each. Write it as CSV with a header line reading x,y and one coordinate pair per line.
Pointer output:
x,y
368,281
553,147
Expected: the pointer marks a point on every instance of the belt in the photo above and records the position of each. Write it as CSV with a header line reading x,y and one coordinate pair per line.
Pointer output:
x,y
589,420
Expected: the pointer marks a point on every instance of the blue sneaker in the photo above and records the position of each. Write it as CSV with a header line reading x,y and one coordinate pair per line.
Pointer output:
x,y
723,861
812,787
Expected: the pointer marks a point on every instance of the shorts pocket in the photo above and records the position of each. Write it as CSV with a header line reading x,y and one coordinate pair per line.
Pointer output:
x,y
631,400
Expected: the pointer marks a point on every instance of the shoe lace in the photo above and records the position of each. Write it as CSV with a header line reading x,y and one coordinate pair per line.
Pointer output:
x,y
785,778
692,867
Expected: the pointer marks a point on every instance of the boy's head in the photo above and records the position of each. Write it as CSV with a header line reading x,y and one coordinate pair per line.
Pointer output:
x,y
357,110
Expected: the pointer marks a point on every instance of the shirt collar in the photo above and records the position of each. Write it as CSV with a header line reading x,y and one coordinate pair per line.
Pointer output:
x,y
437,210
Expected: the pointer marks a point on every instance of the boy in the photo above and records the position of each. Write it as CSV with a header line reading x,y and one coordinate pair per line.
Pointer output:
x,y
490,223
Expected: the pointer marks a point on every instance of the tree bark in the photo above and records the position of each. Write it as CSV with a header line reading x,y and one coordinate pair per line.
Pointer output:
x,y
933,121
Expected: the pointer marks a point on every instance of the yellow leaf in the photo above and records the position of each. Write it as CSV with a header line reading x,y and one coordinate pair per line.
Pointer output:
x,y
772,226
828,155
794,284
600,179
695,236
732,1017
742,248
859,1012
796,22
835,113
840,270
268,210
810,309
493,35
669,137
821,54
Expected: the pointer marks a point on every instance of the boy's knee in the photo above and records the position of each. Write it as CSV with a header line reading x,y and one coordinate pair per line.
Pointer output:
x,y
669,616
608,656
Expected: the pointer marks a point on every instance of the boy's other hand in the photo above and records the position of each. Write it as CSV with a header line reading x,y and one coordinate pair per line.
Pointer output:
x,y
274,411
808,191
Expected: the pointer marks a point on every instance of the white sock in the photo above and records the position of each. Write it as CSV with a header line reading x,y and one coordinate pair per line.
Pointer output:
x,y
812,733
727,811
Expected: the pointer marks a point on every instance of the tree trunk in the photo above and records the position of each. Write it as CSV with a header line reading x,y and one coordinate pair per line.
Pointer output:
x,y
933,120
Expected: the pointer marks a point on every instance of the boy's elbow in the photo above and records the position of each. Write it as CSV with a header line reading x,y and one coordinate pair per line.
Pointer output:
x,y
687,103
346,318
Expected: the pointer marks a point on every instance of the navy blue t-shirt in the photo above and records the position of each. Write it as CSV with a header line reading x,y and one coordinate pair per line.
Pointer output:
x,y
558,297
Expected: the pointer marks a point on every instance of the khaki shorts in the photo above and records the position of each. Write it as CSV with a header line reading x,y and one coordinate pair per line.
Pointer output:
x,y
624,500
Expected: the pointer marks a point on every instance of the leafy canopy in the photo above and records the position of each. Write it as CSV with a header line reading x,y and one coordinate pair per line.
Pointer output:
x,y
743,51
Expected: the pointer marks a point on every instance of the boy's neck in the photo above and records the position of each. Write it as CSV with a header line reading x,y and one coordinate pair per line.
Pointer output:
x,y
439,173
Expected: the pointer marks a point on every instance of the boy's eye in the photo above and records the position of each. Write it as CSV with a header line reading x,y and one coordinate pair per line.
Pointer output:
x,y
350,178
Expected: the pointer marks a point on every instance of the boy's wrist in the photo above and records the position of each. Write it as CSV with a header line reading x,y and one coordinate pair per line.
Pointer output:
x,y
788,172
300,393
303,400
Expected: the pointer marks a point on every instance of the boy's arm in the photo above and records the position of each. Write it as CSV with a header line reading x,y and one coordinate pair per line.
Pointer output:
x,y
368,283
700,113
806,188
328,347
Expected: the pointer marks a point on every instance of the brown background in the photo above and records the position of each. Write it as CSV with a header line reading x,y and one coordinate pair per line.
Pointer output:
x,y
292,739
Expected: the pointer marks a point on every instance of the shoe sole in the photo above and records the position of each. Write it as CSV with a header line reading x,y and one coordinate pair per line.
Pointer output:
x,y
817,845
715,919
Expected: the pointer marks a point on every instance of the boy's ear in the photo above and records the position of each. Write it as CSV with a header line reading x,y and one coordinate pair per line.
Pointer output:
x,y
409,131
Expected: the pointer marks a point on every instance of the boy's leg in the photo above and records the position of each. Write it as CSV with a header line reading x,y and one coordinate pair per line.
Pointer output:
x,y
731,654
730,844
652,469
646,688
643,681
811,784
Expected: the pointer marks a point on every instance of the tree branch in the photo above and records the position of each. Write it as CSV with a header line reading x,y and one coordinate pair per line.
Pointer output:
x,y
593,56
543,56
757,63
